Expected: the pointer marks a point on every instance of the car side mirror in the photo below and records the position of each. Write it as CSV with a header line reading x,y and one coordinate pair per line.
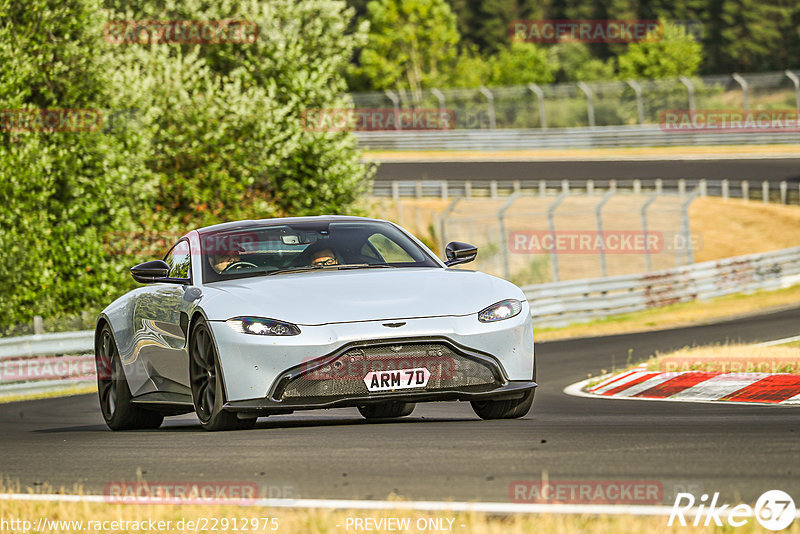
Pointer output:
x,y
458,252
150,271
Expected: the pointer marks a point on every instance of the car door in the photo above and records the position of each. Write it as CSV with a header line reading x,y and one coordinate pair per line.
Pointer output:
x,y
161,317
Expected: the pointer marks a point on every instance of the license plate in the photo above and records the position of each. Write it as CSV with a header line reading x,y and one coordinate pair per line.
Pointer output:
x,y
399,379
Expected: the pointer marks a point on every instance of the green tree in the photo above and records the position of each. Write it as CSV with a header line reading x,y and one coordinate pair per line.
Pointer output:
x,y
412,44
573,62
673,54
520,63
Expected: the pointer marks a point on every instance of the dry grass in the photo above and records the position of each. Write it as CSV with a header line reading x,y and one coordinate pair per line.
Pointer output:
x,y
737,227
315,521
66,392
588,154
731,358
697,312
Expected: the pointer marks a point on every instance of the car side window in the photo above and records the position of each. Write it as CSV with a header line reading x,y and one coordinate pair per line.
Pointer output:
x,y
179,260
389,250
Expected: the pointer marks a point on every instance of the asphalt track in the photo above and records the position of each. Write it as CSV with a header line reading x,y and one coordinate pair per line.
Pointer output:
x,y
443,451
757,170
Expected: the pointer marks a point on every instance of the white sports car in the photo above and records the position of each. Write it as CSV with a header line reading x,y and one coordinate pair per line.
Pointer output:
x,y
253,318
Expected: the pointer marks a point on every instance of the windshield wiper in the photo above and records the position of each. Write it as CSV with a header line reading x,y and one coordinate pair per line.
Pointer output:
x,y
338,267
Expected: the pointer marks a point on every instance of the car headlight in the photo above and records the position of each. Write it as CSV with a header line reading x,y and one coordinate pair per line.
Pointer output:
x,y
262,327
505,309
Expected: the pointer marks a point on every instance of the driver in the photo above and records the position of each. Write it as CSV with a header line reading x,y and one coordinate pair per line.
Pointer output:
x,y
324,257
223,260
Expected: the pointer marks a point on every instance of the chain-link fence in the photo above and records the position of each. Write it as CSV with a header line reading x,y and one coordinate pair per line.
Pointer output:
x,y
582,104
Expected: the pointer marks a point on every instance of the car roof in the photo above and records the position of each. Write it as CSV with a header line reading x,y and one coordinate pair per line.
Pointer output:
x,y
239,225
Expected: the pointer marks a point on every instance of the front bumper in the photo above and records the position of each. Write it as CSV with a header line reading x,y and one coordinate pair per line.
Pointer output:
x,y
254,368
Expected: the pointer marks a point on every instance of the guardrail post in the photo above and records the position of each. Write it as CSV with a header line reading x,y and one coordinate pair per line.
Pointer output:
x,y
418,189
765,191
643,214
490,101
501,219
468,189
612,185
637,187
745,190
725,189
589,102
542,188
551,227
391,95
540,98
796,81
493,189
639,103
445,189
682,188
703,188
784,192
690,90
395,191
659,185
38,324
443,223
598,219
565,186
590,187
745,90
517,186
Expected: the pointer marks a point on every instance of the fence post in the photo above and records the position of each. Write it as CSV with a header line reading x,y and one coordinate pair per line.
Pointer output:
x,y
685,229
468,189
639,103
745,190
598,218
682,188
542,188
725,189
590,187
612,185
565,186
38,324
745,90
391,95
490,100
501,216
784,192
418,189
637,187
540,98
690,90
493,189
796,81
659,185
395,191
517,186
703,188
589,102
551,227
443,223
765,191
648,266
442,104
445,189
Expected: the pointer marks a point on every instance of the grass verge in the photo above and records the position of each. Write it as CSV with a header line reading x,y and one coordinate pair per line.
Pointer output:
x,y
65,392
731,358
139,518
677,315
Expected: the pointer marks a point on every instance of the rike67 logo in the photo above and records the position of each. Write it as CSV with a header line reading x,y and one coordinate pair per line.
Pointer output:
x,y
774,510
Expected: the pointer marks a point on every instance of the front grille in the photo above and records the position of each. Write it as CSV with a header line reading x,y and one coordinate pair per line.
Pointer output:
x,y
344,375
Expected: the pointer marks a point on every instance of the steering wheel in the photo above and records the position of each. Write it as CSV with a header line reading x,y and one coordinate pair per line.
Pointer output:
x,y
238,265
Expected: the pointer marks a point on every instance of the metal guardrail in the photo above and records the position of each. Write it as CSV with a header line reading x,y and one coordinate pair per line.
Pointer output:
x,y
562,138
575,301
46,344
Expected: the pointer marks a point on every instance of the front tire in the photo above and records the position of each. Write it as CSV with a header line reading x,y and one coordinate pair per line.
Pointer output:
x,y
119,412
387,410
208,394
504,409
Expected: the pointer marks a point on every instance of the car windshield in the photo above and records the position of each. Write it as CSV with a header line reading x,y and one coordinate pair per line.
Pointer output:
x,y
279,249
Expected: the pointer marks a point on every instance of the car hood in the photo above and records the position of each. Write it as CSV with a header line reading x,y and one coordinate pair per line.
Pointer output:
x,y
315,298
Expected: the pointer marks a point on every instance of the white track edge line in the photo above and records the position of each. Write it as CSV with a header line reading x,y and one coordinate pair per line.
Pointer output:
x,y
424,506
778,341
